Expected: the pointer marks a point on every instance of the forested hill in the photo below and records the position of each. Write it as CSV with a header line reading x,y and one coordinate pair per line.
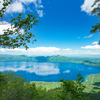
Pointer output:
x,y
58,58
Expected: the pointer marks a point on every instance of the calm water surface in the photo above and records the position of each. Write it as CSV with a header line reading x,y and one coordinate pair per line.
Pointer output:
x,y
44,71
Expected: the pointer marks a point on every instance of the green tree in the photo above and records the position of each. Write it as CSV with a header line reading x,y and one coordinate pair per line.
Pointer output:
x,y
31,92
73,89
2,82
15,87
22,21
2,79
96,11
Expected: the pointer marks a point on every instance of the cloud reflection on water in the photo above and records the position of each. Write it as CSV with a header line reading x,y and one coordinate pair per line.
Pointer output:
x,y
89,68
37,68
67,71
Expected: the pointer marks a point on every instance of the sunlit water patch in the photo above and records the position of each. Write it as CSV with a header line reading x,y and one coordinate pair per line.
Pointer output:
x,y
43,71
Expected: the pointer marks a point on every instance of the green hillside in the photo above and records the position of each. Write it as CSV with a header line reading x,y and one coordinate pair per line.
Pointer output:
x,y
58,58
14,87
92,86
92,83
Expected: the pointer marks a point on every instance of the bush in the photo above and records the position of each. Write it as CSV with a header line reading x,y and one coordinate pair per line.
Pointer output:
x,y
14,88
73,89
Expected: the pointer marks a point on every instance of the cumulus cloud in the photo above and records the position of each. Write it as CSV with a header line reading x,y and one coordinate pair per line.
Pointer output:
x,y
27,1
2,50
67,49
48,51
36,50
40,1
41,6
95,42
76,50
86,6
96,46
88,36
89,50
40,12
18,6
91,47
1,2
5,25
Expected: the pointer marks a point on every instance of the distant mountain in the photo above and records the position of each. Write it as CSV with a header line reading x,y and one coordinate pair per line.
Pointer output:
x,y
82,60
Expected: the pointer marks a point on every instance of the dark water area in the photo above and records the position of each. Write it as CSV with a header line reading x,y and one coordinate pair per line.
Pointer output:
x,y
47,71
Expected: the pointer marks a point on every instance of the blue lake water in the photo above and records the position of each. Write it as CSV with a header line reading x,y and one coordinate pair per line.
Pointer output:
x,y
45,71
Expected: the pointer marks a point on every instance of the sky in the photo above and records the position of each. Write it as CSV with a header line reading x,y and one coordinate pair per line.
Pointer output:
x,y
64,29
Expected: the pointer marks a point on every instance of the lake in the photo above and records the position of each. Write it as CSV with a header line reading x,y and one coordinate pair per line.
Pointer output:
x,y
47,71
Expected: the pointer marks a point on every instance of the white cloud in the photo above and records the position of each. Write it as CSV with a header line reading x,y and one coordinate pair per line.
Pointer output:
x,y
4,22
96,46
39,1
18,6
87,6
40,12
76,50
88,36
67,49
41,6
48,51
91,47
95,42
89,50
27,1
2,50
36,50
5,25
1,2
22,31
92,53
37,5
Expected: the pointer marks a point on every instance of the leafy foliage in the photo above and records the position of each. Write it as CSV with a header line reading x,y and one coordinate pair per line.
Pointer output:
x,y
2,82
17,89
96,10
3,9
73,88
14,88
31,93
2,79
17,24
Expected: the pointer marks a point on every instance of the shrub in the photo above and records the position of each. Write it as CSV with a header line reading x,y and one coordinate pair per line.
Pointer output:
x,y
73,89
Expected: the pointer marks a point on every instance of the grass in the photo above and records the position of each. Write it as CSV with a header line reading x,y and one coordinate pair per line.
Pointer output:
x,y
92,84
47,85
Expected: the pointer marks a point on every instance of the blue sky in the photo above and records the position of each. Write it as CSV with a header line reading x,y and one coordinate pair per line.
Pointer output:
x,y
64,29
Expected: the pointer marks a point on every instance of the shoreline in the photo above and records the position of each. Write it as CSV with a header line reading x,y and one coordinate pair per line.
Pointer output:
x,y
59,82
50,62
